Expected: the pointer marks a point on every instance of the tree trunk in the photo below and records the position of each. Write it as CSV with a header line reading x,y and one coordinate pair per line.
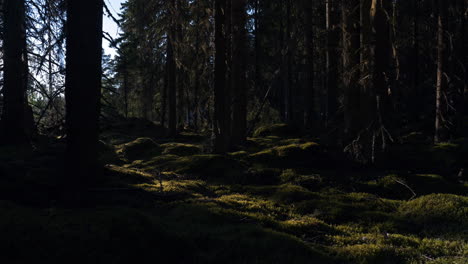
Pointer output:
x,y
351,64
83,90
13,129
382,51
441,133
171,77
239,71
220,130
310,117
332,55
367,99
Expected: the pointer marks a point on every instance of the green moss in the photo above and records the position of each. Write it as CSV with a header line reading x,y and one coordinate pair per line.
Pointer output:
x,y
240,155
209,166
107,153
141,148
311,182
437,211
305,154
371,253
279,130
306,227
116,173
289,193
157,163
181,149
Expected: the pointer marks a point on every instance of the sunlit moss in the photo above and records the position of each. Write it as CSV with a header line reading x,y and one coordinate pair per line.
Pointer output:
x,y
437,210
128,175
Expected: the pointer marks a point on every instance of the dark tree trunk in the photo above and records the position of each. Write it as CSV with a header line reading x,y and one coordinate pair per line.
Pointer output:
x,y
83,90
220,127
416,91
13,126
171,79
367,97
310,117
441,133
239,71
351,64
332,56
382,51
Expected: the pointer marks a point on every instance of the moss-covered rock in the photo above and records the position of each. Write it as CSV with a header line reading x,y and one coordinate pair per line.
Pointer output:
x,y
311,181
140,148
279,130
181,149
437,212
305,154
107,153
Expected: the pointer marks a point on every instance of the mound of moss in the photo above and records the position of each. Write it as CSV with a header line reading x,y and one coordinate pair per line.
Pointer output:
x,y
437,212
181,149
305,154
141,148
208,166
443,158
107,153
279,130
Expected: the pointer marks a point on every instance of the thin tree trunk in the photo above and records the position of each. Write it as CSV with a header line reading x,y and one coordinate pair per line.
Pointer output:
x,y
172,77
441,133
331,59
310,117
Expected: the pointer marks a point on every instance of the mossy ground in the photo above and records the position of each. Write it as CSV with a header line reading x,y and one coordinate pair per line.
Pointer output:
x,y
279,200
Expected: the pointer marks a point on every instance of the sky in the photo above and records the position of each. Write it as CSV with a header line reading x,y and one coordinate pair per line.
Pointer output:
x,y
109,26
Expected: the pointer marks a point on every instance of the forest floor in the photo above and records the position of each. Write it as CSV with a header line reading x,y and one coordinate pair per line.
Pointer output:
x,y
281,199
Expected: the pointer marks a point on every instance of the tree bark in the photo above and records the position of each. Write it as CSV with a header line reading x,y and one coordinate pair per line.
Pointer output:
x,y
310,116
239,71
382,51
220,127
332,56
441,133
83,90
13,129
172,76
351,64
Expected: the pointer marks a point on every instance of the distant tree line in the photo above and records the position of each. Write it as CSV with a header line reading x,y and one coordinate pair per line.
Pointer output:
x,y
358,73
